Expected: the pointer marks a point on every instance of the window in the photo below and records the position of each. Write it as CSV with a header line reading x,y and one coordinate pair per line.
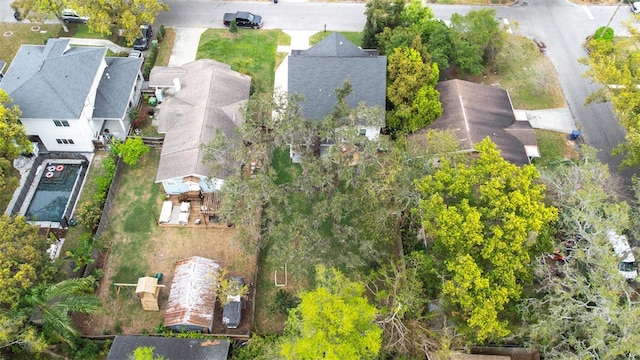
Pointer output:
x,y
59,123
65,141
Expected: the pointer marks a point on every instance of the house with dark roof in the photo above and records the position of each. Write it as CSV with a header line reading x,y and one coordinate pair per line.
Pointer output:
x,y
70,95
475,111
199,99
317,72
123,347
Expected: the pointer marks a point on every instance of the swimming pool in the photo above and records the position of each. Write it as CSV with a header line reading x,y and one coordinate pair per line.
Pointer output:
x,y
49,191
53,192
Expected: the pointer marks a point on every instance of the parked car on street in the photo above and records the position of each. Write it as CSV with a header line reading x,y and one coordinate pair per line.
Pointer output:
x,y
243,19
142,42
71,16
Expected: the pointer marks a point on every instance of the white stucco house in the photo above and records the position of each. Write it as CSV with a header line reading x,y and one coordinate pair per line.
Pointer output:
x,y
70,95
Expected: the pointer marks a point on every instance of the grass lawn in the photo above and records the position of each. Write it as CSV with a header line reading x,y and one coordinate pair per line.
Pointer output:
x,y
166,47
248,51
138,247
23,34
527,74
554,147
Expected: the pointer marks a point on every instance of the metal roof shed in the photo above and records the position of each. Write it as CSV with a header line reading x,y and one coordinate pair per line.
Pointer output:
x,y
192,297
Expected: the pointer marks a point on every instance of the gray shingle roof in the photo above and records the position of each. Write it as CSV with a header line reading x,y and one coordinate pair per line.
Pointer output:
x,y
170,348
210,99
118,79
54,80
475,111
316,73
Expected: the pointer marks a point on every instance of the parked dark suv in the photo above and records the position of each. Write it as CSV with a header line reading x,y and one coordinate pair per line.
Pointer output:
x,y
142,43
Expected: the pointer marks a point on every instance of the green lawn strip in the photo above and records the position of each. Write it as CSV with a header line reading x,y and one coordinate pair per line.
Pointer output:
x,y
130,229
89,188
353,36
527,74
249,52
23,34
552,146
166,47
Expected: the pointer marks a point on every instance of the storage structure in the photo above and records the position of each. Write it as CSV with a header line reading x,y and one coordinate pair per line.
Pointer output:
x,y
192,297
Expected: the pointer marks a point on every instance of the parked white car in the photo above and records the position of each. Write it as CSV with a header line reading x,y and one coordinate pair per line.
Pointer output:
x,y
627,265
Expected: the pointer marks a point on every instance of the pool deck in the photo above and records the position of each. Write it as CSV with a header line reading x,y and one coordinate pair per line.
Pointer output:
x,y
24,165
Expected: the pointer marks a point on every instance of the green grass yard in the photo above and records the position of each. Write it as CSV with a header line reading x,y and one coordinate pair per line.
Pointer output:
x,y
248,51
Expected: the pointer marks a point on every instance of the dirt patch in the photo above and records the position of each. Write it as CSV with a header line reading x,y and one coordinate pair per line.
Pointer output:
x,y
138,247
123,311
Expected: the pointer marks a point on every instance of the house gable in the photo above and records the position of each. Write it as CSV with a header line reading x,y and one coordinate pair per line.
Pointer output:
x,y
317,72
209,100
53,81
474,111
116,87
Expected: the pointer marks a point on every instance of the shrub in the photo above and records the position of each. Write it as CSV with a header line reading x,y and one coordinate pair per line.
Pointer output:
x,y
161,33
89,213
284,301
233,27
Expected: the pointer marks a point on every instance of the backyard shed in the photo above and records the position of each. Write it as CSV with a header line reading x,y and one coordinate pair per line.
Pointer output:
x,y
192,297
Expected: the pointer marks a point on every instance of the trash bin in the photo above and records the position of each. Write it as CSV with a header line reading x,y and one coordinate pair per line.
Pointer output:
x,y
158,276
153,101
275,1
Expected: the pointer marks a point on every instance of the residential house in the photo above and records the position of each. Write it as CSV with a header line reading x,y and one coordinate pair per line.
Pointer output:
x,y
198,99
70,96
475,111
317,72
170,348
193,295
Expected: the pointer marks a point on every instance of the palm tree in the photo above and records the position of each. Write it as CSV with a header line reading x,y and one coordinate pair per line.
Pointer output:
x,y
50,306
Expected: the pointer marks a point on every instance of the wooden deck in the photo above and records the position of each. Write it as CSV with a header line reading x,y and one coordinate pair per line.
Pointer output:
x,y
204,209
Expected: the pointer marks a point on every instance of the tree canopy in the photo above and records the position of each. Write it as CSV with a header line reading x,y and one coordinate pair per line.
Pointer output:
x,y
411,90
616,66
107,15
584,309
481,221
104,16
334,321
24,262
13,142
477,37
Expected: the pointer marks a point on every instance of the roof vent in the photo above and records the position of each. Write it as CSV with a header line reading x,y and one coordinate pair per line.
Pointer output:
x,y
107,75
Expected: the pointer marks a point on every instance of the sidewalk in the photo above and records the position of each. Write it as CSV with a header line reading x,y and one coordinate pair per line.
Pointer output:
x,y
299,41
185,48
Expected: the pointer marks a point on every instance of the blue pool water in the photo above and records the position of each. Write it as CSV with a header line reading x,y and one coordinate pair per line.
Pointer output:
x,y
53,192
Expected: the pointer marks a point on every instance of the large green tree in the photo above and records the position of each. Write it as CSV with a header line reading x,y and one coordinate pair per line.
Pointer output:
x,y
380,15
585,308
49,307
125,16
481,223
616,66
477,37
105,16
24,262
13,142
334,321
411,82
